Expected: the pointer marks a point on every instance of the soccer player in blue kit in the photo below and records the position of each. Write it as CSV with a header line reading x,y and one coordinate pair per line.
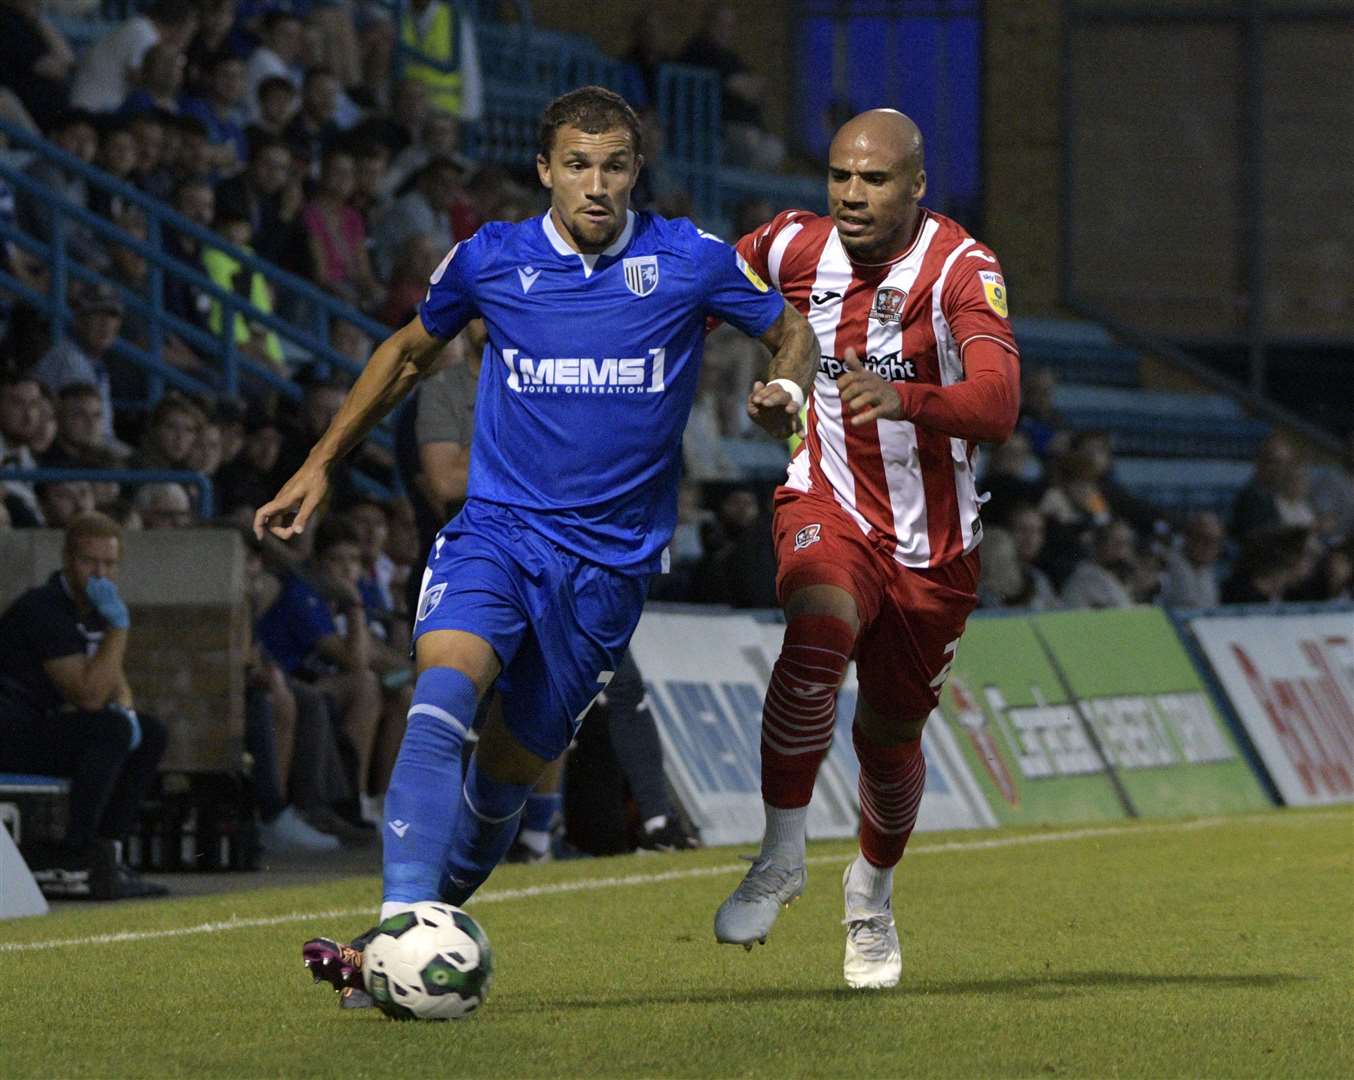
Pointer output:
x,y
595,317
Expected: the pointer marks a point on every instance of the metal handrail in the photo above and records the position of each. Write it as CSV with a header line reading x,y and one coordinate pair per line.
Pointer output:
x,y
201,481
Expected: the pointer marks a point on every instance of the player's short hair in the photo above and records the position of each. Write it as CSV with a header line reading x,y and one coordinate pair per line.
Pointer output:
x,y
334,530
593,109
92,526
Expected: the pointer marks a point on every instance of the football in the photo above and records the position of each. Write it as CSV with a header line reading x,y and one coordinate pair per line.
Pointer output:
x,y
431,962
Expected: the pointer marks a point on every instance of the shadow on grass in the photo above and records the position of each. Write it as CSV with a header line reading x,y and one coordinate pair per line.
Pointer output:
x,y
1045,986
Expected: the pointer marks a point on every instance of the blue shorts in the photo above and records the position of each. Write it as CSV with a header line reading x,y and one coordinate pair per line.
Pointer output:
x,y
558,623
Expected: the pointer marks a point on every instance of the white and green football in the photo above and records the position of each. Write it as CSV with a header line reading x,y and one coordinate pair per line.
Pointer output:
x,y
431,962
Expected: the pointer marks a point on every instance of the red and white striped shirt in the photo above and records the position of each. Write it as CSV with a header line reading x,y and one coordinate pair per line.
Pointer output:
x,y
908,485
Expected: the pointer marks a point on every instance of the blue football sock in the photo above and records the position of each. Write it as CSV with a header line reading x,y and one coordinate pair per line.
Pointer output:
x,y
425,789
540,811
484,830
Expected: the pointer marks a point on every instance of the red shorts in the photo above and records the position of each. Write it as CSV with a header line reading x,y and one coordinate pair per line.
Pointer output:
x,y
910,619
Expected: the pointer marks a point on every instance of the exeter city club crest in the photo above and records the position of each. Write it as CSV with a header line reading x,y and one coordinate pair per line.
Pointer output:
x,y
888,305
641,274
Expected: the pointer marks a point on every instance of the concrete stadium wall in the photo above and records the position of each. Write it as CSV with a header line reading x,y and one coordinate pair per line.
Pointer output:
x,y
189,636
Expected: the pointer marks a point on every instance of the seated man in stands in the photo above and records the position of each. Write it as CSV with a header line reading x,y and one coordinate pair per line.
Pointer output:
x,y
66,710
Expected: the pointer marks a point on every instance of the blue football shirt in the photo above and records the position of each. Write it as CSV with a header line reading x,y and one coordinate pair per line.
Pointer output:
x,y
590,370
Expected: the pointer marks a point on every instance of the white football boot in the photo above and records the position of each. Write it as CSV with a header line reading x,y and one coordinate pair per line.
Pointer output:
x,y
750,912
874,960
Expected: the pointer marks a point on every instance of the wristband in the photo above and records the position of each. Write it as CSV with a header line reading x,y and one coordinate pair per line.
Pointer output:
x,y
792,388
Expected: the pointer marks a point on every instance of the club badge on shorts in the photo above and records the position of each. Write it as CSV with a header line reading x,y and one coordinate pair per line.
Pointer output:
x,y
641,274
888,305
809,534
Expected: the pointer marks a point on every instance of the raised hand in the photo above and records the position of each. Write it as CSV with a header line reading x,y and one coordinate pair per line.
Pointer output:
x,y
103,594
865,395
772,408
292,508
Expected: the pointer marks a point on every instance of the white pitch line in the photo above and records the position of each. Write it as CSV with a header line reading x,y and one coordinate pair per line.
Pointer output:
x,y
630,880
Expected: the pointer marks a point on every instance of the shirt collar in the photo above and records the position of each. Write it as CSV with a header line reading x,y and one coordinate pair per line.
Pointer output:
x,y
589,260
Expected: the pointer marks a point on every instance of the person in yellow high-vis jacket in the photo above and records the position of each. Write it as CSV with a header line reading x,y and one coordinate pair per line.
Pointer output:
x,y
446,36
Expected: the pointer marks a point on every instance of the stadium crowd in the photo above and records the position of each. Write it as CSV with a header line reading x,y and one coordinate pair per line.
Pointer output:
x,y
277,126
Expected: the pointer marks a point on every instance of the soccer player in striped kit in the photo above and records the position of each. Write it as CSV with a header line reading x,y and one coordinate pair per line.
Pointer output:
x,y
876,525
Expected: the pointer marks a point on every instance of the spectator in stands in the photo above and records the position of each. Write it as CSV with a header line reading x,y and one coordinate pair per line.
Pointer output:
x,y
150,174
999,580
1012,475
254,339
248,480
266,195
171,437
159,82
740,567
1273,561
64,501
277,107
221,109
401,126
335,236
1332,496
438,137
163,506
195,200
80,358
303,634
35,60
422,212
194,154
1190,579
1277,492
74,132
1073,505
644,56
1039,418
300,430
109,66
408,283
117,157
81,436
370,518
1108,578
207,453
445,33
746,140
314,126
278,56
20,417
1036,591
372,159
68,711
215,20
45,433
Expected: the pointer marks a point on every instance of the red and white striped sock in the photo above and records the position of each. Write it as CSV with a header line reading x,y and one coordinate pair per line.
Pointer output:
x,y
892,779
800,711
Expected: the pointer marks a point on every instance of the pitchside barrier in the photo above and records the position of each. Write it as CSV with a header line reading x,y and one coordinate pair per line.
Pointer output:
x,y
1044,719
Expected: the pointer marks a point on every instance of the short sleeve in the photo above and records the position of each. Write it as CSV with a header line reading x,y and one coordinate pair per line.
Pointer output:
x,y
450,302
974,300
735,292
756,246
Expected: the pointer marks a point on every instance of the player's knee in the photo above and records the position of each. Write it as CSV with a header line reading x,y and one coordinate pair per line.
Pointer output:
x,y
821,599
885,728
501,757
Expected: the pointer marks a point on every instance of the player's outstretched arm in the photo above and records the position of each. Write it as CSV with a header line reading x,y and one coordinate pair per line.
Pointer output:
x,y
773,405
394,368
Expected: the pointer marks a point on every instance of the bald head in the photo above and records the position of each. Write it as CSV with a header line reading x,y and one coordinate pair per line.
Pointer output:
x,y
884,131
874,181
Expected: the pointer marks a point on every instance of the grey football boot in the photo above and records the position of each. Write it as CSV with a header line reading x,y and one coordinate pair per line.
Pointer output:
x,y
874,959
750,912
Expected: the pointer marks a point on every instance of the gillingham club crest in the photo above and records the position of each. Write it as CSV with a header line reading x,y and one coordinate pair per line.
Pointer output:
x,y
888,305
641,274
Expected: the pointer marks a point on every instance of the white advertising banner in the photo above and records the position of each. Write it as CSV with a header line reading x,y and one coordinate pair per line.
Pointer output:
x,y
706,675
1291,680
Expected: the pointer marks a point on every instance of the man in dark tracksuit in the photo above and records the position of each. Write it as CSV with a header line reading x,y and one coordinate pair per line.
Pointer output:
x,y
66,710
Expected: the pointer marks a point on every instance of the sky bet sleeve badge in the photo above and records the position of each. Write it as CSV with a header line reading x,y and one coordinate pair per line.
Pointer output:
x,y
750,273
994,289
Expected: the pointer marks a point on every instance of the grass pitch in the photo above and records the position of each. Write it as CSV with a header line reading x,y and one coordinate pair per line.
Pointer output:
x,y
1208,948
